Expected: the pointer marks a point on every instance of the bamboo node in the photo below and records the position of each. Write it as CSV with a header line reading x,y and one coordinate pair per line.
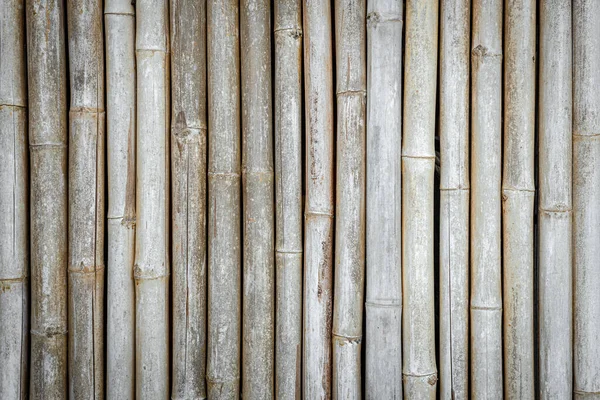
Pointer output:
x,y
294,33
50,332
345,339
481,52
376,18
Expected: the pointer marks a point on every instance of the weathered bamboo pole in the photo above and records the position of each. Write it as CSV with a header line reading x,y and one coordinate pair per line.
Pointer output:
x,y
224,167
151,269
586,198
14,200
555,204
455,29
518,194
288,197
319,208
383,336
188,163
120,149
418,166
48,168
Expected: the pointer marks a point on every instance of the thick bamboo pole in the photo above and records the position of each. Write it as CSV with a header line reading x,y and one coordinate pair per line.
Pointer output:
x,y
383,336
418,165
14,200
555,252
455,29
586,197
319,208
224,167
518,194
288,197
188,163
151,269
48,168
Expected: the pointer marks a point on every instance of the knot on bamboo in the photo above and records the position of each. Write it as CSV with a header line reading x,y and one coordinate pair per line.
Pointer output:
x,y
481,53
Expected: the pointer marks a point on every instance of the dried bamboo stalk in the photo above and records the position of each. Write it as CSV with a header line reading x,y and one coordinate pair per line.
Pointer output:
x,y
455,26
14,200
586,197
151,270
288,197
555,204
48,168
224,167
383,336
188,163
518,194
418,165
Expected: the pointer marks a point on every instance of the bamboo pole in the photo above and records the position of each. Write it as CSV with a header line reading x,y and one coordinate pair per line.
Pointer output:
x,y
48,202
383,336
418,164
455,27
224,167
518,194
288,197
151,270
14,199
555,252
586,197
188,163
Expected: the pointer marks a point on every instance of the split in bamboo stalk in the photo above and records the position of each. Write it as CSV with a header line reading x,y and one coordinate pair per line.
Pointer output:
x,y
454,198
14,200
383,336
288,197
151,269
555,252
224,167
418,165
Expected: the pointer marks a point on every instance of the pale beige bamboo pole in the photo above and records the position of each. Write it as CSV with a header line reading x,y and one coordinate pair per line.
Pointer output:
x,y
319,208
288,197
188,163
151,270
47,83
586,198
224,199
555,204
455,29
418,165
14,200
518,194
120,149
383,336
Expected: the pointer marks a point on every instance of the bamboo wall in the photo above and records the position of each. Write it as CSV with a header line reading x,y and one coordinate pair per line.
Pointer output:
x,y
299,199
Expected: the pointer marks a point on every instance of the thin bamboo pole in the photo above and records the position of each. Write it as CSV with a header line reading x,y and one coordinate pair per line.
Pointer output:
x,y
151,270
383,336
14,200
418,165
586,197
188,163
455,27
288,197
224,167
555,204
518,194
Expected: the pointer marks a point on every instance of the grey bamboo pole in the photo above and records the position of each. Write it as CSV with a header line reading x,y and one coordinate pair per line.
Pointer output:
x,y
455,29
14,200
586,198
188,163
151,270
47,83
319,208
288,197
518,194
224,191
351,82
555,204
418,165
120,149
383,335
